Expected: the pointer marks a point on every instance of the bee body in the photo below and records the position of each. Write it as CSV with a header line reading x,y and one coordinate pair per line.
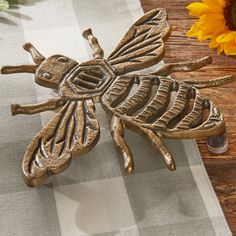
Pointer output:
x,y
154,105
159,110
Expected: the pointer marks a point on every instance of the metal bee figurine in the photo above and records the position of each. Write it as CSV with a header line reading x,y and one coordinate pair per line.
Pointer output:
x,y
153,105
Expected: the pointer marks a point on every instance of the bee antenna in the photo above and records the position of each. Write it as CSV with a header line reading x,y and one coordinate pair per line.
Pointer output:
x,y
93,43
37,57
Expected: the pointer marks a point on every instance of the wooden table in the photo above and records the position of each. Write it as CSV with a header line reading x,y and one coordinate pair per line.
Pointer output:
x,y
221,169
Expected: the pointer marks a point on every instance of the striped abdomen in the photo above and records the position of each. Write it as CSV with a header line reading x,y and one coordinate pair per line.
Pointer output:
x,y
159,103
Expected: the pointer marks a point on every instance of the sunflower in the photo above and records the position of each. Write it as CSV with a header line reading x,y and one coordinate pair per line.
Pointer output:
x,y
217,22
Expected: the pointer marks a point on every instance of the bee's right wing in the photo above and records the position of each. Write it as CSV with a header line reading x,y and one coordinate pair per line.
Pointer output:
x,y
142,46
73,130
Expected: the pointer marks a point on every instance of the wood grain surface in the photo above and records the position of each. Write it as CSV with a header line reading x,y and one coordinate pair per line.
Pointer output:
x,y
221,168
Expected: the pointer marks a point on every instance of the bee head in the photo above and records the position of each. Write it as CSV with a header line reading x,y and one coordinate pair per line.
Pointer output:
x,y
52,70
48,71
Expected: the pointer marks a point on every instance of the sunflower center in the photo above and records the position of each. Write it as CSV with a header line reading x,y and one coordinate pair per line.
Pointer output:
x,y
230,14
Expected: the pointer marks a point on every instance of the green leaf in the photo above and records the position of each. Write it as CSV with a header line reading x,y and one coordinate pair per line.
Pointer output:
x,y
4,5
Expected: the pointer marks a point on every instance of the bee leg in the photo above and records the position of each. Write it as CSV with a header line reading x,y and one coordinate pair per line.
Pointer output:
x,y
19,69
117,132
160,147
93,43
51,104
167,69
210,83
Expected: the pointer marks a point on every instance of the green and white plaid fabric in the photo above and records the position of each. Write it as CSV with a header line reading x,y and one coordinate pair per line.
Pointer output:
x,y
94,196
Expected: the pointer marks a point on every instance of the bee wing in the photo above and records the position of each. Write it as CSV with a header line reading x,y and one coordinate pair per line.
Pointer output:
x,y
73,130
142,45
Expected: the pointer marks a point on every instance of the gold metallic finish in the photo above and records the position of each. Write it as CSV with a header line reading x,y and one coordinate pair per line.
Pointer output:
x,y
72,132
117,132
19,69
51,104
93,42
153,105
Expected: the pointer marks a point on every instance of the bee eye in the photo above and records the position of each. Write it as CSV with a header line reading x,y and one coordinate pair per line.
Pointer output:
x,y
62,59
46,75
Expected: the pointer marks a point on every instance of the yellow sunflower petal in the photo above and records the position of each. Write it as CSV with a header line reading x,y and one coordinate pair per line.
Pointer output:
x,y
205,31
213,20
226,37
212,33
220,49
198,9
230,48
222,3
202,36
210,27
213,43
215,5
193,31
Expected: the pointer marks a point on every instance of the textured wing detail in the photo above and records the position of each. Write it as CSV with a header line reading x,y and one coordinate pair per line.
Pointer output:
x,y
142,45
73,130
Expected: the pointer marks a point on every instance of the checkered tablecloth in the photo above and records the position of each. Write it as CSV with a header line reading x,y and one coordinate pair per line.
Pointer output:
x,y
94,196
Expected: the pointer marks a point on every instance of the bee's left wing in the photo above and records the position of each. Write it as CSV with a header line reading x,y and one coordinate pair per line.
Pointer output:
x,y
73,130
143,44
